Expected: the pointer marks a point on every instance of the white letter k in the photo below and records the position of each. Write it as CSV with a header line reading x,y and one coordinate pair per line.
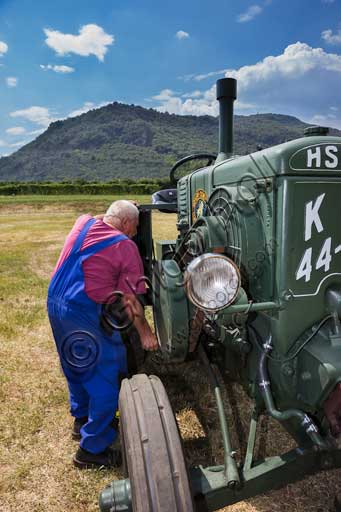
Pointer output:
x,y
312,217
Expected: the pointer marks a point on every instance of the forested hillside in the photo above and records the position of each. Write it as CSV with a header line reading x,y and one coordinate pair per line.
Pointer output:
x,y
122,141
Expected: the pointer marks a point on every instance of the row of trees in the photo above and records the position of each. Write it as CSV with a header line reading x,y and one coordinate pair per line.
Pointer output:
x,y
117,186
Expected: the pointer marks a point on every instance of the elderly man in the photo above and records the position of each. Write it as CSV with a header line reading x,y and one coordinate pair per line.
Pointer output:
x,y
98,263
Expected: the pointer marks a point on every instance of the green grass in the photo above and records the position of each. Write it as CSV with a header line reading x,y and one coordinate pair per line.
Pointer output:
x,y
35,442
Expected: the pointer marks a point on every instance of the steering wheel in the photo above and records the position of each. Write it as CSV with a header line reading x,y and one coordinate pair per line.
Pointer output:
x,y
195,156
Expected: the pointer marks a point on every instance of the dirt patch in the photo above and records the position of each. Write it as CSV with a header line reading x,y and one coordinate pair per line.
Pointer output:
x,y
35,209
43,262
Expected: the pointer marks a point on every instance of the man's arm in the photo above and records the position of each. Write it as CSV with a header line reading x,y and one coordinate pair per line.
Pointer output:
x,y
135,312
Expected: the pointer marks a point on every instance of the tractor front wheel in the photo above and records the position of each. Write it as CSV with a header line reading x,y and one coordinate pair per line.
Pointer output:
x,y
152,449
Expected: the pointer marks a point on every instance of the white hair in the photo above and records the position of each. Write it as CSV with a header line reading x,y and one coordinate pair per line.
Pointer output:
x,y
122,209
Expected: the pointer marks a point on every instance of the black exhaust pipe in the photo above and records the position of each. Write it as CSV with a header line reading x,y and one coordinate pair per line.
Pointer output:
x,y
226,94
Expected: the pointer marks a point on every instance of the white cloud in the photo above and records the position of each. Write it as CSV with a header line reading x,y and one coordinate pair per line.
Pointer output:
x,y
57,69
181,34
297,60
165,94
328,1
42,117
175,105
16,130
242,105
197,105
36,132
35,114
11,81
3,48
293,82
324,120
18,144
334,109
253,11
329,37
202,76
319,118
88,105
249,14
193,94
92,40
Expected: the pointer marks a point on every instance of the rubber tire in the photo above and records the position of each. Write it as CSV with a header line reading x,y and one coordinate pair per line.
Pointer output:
x,y
152,448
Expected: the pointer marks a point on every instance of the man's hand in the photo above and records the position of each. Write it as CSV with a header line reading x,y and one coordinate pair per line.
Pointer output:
x,y
135,312
149,341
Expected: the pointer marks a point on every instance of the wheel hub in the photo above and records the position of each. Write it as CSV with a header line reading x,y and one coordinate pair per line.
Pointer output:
x,y
116,497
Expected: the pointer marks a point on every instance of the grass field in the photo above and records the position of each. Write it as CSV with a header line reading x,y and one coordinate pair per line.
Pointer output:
x,y
35,444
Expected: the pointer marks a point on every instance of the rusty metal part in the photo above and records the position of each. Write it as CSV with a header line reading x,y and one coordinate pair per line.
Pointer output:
x,y
195,329
332,410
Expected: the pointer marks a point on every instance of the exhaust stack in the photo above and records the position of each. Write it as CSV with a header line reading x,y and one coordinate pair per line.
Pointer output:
x,y
226,94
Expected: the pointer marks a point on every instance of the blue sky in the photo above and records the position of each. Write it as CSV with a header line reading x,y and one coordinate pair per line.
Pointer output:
x,y
61,58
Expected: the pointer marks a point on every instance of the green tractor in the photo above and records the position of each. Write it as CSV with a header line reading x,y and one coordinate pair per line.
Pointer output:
x,y
251,285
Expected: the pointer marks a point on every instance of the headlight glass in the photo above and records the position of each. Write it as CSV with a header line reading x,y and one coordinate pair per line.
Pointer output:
x,y
212,281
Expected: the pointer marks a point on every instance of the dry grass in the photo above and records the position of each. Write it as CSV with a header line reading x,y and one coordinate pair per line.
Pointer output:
x,y
36,449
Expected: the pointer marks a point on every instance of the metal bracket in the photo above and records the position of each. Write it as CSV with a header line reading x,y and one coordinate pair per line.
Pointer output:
x,y
251,441
210,490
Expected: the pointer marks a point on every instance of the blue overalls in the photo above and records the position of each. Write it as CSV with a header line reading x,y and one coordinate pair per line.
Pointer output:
x,y
92,361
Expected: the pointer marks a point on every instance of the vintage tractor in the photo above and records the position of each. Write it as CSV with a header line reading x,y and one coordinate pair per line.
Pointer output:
x,y
252,285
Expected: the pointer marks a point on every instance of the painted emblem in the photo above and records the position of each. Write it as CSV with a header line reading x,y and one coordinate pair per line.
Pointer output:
x,y
199,204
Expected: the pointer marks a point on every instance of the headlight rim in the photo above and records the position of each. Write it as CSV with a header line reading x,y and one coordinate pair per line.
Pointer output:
x,y
187,280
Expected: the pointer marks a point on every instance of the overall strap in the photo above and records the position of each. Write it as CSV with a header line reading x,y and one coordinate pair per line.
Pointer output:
x,y
90,251
80,239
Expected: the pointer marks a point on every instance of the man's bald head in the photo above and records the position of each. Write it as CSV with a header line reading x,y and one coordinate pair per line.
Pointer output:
x,y
122,209
123,215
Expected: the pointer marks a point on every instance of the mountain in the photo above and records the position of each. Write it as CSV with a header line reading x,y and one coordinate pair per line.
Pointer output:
x,y
127,141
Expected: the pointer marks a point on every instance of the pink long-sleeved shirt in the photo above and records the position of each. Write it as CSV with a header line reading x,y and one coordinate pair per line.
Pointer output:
x,y
116,268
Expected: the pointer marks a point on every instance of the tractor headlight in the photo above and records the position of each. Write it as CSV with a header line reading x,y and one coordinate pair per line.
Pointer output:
x,y
212,281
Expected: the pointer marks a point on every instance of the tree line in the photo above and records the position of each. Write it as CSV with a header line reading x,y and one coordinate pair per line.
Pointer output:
x,y
116,186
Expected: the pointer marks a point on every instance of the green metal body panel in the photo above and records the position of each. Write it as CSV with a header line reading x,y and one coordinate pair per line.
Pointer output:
x,y
164,249
291,158
283,218
304,292
170,302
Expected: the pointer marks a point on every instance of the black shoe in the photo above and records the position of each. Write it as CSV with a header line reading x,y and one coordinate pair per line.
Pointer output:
x,y
77,425
106,460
